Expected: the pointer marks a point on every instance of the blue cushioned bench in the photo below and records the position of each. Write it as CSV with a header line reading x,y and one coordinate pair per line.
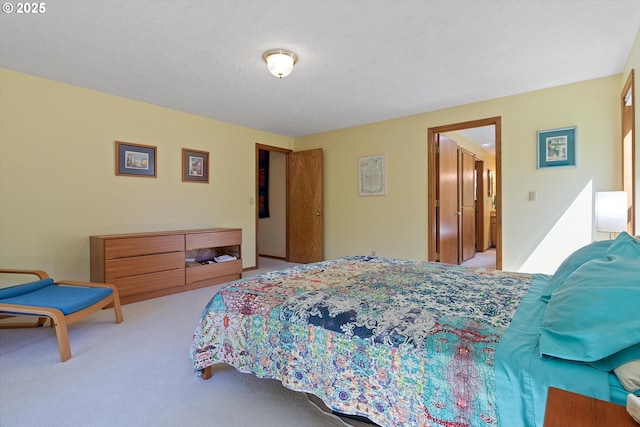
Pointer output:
x,y
63,302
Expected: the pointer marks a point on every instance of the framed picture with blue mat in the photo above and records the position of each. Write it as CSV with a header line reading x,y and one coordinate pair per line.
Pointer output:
x,y
557,148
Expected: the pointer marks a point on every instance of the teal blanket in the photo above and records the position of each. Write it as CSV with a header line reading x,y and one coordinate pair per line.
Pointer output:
x,y
523,377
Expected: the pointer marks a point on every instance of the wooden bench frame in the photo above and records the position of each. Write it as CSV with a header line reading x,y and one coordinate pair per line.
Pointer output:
x,y
59,320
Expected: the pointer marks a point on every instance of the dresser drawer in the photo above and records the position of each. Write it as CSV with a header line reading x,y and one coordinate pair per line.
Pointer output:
x,y
135,266
134,246
208,271
213,239
142,283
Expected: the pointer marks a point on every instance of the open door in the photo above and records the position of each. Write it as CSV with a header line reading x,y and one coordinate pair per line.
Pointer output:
x,y
467,205
448,223
305,207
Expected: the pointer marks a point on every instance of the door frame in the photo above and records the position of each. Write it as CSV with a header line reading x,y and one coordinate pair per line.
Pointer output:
x,y
432,135
628,115
286,152
481,242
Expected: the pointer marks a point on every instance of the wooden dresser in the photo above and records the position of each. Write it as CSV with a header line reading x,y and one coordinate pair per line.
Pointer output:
x,y
149,265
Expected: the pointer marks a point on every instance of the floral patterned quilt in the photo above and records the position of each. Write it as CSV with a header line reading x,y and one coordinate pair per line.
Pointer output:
x,y
403,343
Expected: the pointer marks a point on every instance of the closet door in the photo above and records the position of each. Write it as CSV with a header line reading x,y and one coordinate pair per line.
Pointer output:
x,y
467,205
447,213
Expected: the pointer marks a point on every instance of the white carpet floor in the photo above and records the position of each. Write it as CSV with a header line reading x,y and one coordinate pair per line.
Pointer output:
x,y
138,373
486,259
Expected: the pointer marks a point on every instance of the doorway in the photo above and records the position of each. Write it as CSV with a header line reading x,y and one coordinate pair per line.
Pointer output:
x,y
300,203
441,226
271,202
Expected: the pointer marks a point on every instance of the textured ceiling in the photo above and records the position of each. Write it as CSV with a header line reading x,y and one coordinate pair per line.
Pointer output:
x,y
359,61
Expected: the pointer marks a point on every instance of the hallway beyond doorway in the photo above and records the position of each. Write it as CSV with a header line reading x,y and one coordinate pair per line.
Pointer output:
x,y
486,259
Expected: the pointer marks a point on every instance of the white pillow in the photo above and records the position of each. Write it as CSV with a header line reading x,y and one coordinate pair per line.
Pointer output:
x,y
629,375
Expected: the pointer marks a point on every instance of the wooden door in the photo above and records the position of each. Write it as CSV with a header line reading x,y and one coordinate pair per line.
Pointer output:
x,y
467,205
305,207
447,214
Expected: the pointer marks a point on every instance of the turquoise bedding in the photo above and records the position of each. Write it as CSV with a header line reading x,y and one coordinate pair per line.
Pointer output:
x,y
523,377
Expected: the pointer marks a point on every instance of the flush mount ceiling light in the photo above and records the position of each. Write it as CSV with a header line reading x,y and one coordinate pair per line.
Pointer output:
x,y
280,61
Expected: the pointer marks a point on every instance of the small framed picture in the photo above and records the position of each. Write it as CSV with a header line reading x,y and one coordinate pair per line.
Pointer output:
x,y
371,179
195,165
135,159
557,147
492,183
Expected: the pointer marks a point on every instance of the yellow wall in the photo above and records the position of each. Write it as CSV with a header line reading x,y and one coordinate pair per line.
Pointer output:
x,y
57,173
536,235
58,186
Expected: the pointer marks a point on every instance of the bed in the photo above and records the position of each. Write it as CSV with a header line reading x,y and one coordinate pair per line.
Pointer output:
x,y
414,343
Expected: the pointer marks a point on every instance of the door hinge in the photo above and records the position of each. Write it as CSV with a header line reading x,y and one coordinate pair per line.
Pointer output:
x,y
437,256
437,203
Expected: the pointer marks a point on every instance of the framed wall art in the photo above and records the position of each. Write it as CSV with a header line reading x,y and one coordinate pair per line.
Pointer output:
x,y
492,183
135,159
195,165
371,176
557,147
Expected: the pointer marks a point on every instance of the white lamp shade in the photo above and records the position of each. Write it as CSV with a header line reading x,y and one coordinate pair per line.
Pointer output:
x,y
280,62
611,211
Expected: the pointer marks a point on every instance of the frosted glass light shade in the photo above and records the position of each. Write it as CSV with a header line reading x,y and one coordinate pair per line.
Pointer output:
x,y
280,62
611,211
